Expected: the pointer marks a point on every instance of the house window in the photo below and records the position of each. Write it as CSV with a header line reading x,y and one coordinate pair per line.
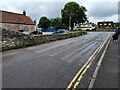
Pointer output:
x,y
109,24
105,24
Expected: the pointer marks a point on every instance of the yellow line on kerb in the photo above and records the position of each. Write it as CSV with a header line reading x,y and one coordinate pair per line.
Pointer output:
x,y
85,67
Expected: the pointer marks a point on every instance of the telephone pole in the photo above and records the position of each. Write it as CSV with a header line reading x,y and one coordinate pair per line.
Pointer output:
x,y
70,22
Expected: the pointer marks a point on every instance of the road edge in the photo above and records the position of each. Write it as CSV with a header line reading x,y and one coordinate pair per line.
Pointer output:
x,y
98,65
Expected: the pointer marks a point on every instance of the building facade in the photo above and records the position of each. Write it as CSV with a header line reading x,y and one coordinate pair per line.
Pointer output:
x,y
105,24
15,22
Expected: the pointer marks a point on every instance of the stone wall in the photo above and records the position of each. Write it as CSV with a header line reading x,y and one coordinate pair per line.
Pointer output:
x,y
14,40
16,27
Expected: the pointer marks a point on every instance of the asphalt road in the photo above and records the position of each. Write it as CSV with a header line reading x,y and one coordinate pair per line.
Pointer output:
x,y
50,65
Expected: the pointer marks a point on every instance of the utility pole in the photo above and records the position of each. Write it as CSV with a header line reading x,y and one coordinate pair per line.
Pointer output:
x,y
70,22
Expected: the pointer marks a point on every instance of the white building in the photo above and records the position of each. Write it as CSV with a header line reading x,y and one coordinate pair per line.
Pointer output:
x,y
84,26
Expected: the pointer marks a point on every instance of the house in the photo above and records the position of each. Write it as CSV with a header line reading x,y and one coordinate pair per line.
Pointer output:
x,y
105,24
15,21
85,26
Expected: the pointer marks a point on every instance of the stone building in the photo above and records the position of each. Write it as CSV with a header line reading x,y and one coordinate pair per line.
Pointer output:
x,y
15,21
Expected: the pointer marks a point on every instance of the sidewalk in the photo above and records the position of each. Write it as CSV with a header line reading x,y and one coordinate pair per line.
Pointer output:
x,y
108,73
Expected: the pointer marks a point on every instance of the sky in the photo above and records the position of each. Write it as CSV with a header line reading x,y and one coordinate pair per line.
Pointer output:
x,y
97,10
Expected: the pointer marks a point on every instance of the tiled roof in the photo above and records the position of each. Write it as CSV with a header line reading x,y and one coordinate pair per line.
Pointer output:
x,y
15,18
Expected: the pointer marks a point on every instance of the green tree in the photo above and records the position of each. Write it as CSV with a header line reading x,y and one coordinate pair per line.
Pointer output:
x,y
117,24
73,13
44,22
57,23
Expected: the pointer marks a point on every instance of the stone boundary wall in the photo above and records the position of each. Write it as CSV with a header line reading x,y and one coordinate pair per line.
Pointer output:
x,y
17,27
14,40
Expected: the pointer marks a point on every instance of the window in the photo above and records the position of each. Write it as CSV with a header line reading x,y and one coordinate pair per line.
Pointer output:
x,y
109,24
105,24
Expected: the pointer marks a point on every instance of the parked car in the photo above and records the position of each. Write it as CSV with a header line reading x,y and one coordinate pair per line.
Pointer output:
x,y
61,31
50,30
38,31
24,32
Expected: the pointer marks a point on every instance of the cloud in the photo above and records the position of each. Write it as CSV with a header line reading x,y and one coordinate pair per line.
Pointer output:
x,y
35,9
97,9
103,9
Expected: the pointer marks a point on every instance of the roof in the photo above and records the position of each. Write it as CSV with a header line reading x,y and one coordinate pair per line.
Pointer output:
x,y
15,18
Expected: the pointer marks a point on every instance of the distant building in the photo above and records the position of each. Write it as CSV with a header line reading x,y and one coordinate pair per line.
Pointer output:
x,y
85,26
15,22
105,24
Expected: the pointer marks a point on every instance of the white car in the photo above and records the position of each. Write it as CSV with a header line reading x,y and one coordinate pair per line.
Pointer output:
x,y
61,31
24,32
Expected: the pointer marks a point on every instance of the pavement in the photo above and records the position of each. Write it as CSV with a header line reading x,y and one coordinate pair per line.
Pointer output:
x,y
107,76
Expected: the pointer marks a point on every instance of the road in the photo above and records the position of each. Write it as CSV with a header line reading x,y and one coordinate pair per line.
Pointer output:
x,y
51,65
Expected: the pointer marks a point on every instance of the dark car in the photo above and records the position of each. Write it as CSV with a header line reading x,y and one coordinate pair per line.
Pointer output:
x,y
38,31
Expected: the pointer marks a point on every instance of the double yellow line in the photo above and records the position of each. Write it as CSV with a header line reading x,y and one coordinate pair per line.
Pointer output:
x,y
76,80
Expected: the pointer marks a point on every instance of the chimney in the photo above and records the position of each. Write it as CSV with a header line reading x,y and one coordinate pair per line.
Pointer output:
x,y
35,22
24,13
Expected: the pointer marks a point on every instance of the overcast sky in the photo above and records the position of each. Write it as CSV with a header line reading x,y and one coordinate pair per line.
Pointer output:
x,y
97,10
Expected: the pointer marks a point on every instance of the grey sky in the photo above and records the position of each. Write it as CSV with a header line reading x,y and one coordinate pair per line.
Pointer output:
x,y
97,10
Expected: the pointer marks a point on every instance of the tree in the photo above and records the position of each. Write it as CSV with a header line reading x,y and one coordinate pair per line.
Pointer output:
x,y
57,23
44,22
117,24
73,13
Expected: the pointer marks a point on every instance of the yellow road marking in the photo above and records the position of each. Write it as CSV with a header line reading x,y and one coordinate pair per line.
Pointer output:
x,y
89,62
80,78
76,85
71,83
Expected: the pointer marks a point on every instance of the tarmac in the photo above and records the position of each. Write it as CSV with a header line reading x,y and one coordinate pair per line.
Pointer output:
x,y
108,73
